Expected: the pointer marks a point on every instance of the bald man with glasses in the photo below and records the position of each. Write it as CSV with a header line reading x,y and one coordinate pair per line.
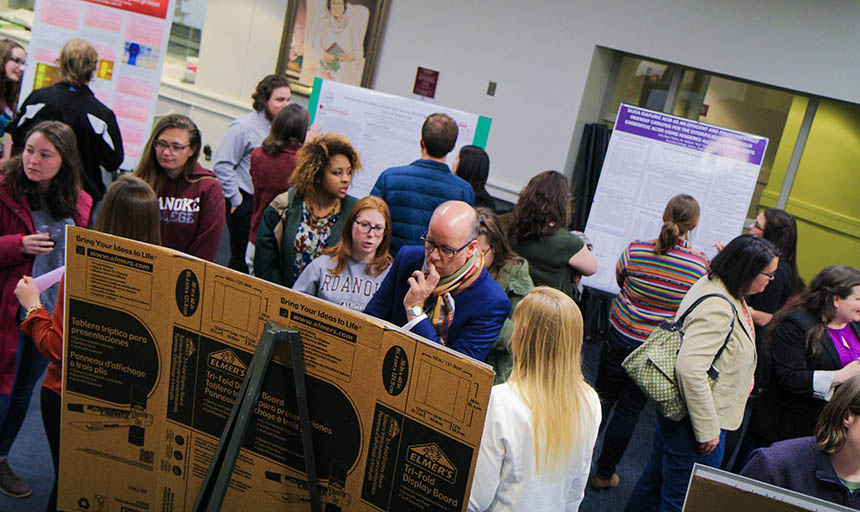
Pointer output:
x,y
440,290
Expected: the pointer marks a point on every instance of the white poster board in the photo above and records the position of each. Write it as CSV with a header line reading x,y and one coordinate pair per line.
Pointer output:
x,y
654,156
385,129
131,39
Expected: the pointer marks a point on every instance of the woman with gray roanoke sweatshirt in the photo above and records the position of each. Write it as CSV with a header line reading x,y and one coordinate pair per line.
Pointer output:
x,y
350,272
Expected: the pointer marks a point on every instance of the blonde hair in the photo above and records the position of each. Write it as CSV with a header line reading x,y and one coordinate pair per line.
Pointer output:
x,y
78,60
547,373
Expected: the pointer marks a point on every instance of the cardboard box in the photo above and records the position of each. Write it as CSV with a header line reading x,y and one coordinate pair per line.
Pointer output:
x,y
156,346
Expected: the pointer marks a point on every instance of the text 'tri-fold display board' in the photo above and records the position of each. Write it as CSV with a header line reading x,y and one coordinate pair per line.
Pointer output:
x,y
156,346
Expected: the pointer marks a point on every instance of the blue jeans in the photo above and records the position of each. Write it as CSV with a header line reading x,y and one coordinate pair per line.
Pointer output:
x,y
30,365
663,485
617,390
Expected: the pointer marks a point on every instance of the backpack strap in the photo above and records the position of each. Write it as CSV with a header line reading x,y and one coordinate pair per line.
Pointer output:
x,y
281,203
677,324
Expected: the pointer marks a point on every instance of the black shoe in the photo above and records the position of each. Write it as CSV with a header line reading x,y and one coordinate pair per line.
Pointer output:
x,y
10,484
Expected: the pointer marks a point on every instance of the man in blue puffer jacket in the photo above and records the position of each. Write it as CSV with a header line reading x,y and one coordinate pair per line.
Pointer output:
x,y
413,191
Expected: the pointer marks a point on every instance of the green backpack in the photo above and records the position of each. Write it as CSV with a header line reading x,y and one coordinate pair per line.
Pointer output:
x,y
652,365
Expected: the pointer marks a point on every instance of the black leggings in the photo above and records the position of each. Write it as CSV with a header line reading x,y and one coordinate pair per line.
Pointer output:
x,y
239,224
51,406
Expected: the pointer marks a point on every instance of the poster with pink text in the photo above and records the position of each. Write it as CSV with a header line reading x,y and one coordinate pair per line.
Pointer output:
x,y
131,39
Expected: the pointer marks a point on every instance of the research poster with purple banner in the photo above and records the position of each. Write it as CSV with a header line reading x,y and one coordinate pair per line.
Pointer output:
x,y
654,156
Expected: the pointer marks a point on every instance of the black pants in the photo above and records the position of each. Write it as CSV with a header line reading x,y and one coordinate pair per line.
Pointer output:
x,y
239,224
51,405
617,390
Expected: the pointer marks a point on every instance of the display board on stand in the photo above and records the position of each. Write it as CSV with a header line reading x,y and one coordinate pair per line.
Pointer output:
x,y
157,348
130,37
384,128
654,156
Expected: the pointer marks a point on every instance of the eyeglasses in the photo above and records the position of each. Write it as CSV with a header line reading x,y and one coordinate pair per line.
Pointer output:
x,y
18,60
430,245
770,275
757,226
366,227
173,147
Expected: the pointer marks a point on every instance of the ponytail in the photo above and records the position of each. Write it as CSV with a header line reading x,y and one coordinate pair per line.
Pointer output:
x,y
680,217
670,233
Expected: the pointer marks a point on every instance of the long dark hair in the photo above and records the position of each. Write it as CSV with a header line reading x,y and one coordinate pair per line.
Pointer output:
x,y
817,300
474,167
543,207
780,229
148,168
8,89
740,262
288,129
61,199
490,226
680,217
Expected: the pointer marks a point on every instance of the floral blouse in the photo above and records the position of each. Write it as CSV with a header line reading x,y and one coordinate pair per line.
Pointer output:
x,y
312,236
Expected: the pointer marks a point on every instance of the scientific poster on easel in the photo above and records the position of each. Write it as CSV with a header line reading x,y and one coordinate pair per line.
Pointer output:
x,y
654,156
130,37
384,128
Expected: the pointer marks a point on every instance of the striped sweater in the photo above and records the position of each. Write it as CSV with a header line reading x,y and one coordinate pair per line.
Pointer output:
x,y
652,285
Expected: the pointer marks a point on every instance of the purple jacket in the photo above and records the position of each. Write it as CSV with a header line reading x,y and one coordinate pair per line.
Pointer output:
x,y
796,464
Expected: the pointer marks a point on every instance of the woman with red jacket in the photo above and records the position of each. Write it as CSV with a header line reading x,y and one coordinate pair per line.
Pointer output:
x,y
189,196
129,209
273,163
40,194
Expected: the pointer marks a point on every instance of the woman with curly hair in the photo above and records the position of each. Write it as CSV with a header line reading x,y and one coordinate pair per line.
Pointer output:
x,y
190,197
539,233
310,216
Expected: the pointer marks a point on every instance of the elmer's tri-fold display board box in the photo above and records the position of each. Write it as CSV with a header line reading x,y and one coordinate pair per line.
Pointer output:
x,y
156,346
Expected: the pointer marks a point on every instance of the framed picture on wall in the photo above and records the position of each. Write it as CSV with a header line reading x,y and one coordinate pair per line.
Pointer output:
x,y
333,39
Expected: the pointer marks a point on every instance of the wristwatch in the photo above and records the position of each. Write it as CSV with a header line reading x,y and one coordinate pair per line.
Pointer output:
x,y
415,311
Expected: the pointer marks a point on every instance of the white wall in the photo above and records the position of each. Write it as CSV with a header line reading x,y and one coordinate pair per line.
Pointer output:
x,y
239,45
543,53
540,55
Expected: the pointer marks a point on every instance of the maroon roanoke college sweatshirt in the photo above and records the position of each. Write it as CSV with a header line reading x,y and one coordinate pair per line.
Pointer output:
x,y
192,213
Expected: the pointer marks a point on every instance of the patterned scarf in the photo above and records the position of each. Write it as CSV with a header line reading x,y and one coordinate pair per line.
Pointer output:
x,y
441,305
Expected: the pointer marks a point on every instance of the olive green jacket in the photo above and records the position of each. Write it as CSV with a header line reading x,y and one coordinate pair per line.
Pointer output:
x,y
515,281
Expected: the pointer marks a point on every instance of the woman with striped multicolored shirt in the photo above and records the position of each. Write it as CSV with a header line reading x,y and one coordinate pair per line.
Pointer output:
x,y
654,276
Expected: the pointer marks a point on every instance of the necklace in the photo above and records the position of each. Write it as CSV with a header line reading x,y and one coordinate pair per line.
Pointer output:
x,y
840,332
314,208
